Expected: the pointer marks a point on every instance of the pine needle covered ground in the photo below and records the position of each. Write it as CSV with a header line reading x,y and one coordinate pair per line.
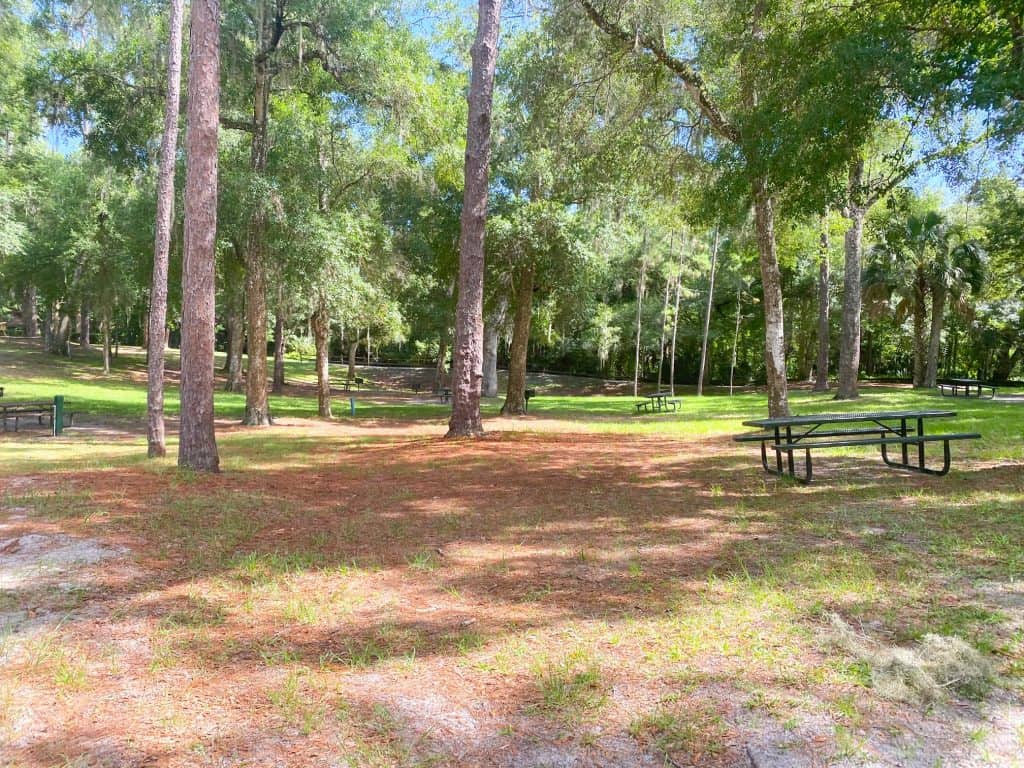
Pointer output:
x,y
581,587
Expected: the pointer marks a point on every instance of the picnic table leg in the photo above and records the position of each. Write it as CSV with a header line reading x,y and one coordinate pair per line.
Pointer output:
x,y
789,454
778,454
903,433
920,446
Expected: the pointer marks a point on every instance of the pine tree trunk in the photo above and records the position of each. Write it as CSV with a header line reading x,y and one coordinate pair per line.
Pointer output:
x,y
320,322
257,405
467,363
849,331
515,394
774,328
84,328
821,380
234,295
198,445
707,317
279,352
640,288
29,322
675,319
935,335
157,319
661,340
492,339
736,335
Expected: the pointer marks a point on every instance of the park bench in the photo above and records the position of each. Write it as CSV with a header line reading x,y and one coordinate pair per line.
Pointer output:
x,y
417,387
966,388
444,394
54,410
887,429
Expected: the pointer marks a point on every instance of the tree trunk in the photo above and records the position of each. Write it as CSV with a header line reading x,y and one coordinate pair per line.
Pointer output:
x,y
48,328
234,317
675,320
640,287
492,338
821,380
467,363
61,334
198,445
515,393
106,343
279,351
664,320
935,335
441,364
849,332
707,317
320,322
774,328
29,322
920,344
157,319
257,406
735,335
84,328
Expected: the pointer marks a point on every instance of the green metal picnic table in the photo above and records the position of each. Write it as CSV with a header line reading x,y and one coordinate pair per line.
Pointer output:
x,y
886,429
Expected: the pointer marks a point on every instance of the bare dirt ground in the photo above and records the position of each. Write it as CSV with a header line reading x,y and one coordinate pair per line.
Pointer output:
x,y
369,595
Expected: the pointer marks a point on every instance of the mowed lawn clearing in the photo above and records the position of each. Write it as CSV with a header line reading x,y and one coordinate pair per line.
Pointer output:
x,y
582,587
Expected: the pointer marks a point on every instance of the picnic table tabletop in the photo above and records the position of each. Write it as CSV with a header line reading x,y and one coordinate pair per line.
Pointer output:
x,y
966,381
841,418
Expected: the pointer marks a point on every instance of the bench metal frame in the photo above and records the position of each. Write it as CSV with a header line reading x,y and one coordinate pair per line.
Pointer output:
x,y
783,439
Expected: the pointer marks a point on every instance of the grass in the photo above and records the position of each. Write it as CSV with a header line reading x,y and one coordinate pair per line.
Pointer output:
x,y
583,574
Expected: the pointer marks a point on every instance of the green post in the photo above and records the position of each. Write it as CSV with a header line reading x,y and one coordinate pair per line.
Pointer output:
x,y
58,415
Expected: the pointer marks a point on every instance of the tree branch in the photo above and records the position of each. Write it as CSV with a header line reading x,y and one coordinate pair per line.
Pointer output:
x,y
691,79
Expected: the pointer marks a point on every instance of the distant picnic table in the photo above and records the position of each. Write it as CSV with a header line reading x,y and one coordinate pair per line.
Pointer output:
x,y
350,382
886,429
657,402
966,388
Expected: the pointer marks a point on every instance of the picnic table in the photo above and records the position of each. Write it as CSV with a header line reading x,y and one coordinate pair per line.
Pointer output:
x,y
965,388
657,402
886,429
352,382
444,394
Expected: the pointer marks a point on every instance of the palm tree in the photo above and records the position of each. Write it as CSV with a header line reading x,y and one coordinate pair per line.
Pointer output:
x,y
919,263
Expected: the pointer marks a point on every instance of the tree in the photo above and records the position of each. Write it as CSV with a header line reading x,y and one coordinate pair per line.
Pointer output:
x,y
467,359
198,445
920,261
161,255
